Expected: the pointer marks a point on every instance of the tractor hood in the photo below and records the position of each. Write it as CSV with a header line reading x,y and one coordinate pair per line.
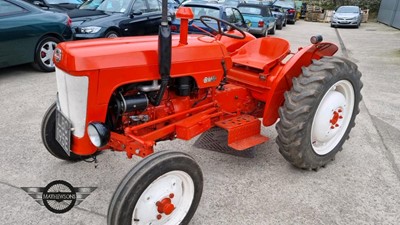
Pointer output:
x,y
139,52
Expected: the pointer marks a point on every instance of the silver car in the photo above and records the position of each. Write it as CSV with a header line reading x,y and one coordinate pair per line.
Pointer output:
x,y
349,16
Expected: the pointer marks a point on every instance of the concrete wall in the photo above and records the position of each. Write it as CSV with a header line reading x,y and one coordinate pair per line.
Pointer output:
x,y
389,13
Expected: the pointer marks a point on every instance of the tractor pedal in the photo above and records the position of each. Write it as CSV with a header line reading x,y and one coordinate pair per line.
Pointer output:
x,y
243,131
215,138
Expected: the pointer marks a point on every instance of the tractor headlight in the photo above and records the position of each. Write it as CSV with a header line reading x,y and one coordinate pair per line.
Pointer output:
x,y
90,30
98,133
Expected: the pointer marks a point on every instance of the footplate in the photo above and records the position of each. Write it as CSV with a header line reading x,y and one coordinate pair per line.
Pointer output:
x,y
215,138
243,131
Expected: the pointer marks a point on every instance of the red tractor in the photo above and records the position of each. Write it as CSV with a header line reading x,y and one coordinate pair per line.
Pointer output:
x,y
127,94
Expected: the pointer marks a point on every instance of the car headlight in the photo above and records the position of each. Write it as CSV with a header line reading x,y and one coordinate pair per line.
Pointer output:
x,y
98,133
90,30
354,18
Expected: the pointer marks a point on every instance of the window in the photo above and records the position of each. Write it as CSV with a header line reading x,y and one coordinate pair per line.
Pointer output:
x,y
238,16
204,11
7,8
140,5
154,5
268,12
250,10
230,17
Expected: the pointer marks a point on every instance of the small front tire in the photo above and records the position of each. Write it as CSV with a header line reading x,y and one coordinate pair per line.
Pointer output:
x,y
164,188
48,132
319,112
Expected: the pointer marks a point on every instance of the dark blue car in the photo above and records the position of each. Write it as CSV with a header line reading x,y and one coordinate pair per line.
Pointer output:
x,y
227,13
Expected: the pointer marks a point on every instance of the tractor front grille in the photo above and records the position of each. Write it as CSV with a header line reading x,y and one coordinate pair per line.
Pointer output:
x,y
72,99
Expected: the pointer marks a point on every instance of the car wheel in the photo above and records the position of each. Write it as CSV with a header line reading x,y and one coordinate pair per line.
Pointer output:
x,y
43,60
111,34
319,112
272,31
279,27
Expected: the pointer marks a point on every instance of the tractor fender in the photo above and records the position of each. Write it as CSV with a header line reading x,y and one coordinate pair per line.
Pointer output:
x,y
285,72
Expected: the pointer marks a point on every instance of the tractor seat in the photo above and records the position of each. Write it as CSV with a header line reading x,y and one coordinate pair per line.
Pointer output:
x,y
262,53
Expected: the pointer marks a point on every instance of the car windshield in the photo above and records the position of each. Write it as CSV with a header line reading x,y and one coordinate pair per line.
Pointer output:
x,y
114,6
55,2
204,11
250,10
348,9
91,4
284,4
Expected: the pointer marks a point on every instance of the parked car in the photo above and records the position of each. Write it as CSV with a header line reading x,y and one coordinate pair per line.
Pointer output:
x,y
57,5
303,10
172,7
228,13
349,16
281,17
259,18
119,18
29,34
290,8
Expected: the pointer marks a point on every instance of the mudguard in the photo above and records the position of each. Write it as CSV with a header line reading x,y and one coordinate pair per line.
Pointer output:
x,y
283,81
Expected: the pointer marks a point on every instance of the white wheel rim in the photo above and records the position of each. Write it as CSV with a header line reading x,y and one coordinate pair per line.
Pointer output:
x,y
332,117
47,52
177,182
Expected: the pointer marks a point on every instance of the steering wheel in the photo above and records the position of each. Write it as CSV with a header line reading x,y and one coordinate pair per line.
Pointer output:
x,y
220,31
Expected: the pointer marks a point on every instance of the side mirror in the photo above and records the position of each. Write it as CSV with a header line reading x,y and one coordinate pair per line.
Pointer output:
x,y
137,12
39,3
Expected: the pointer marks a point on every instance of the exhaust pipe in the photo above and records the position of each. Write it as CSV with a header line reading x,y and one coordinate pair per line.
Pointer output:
x,y
164,54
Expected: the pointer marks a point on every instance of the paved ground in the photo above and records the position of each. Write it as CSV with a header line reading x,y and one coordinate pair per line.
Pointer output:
x,y
362,186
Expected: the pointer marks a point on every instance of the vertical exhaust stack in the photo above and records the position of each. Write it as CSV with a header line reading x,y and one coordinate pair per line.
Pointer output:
x,y
164,54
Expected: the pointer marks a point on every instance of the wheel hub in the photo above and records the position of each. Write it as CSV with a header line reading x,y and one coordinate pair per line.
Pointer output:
x,y
332,117
335,118
165,201
165,206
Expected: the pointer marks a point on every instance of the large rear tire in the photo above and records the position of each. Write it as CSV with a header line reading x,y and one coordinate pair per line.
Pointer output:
x,y
319,112
48,132
164,188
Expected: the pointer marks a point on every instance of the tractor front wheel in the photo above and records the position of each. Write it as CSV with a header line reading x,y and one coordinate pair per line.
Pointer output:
x,y
319,112
48,132
164,188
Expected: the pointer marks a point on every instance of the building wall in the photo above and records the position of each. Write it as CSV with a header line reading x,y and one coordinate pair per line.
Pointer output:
x,y
389,13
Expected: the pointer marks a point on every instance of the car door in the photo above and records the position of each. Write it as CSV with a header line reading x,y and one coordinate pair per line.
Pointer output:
x,y
269,17
154,15
142,19
18,35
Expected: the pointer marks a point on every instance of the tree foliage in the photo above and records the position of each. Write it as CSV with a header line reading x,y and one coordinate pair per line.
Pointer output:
x,y
372,5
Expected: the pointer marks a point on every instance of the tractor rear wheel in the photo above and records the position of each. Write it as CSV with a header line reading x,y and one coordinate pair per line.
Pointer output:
x,y
319,112
48,132
164,188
